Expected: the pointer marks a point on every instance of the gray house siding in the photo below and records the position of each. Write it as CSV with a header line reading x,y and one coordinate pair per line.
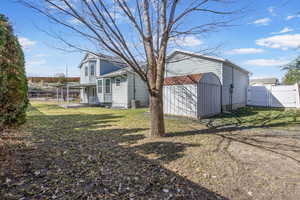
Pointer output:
x,y
141,93
240,82
89,79
184,65
119,93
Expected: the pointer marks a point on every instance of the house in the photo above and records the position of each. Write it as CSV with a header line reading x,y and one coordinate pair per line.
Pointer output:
x,y
108,81
234,79
194,96
264,81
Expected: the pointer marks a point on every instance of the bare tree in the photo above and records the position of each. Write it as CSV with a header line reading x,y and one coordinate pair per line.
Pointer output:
x,y
140,32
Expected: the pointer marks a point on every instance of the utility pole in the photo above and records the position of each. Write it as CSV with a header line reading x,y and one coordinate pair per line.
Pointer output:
x,y
67,84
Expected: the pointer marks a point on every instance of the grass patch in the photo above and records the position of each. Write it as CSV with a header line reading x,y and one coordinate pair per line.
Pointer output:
x,y
99,153
256,117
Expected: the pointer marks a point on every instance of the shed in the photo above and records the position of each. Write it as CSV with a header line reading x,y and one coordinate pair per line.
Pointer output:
x,y
195,95
233,78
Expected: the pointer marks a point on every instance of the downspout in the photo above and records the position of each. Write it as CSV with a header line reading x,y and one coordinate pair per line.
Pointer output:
x,y
222,87
134,91
231,89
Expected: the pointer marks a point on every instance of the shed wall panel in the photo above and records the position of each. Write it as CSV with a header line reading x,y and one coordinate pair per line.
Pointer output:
x,y
180,100
183,65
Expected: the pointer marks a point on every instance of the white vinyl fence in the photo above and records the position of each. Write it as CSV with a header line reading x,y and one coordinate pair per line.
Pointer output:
x,y
286,96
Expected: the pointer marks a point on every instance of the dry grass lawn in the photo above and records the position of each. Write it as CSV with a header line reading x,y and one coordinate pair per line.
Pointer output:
x,y
98,153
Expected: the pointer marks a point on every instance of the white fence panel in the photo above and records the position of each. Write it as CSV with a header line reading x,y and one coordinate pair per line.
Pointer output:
x,y
258,96
274,96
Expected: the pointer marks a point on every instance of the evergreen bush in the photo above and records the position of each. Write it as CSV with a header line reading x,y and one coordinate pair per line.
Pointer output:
x,y
13,82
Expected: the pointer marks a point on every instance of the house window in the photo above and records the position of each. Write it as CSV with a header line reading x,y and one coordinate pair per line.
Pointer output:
x,y
86,71
93,67
93,91
107,86
99,86
118,81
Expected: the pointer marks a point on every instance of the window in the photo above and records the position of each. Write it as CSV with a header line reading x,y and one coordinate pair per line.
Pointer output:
x,y
118,81
107,86
92,68
86,71
93,91
99,86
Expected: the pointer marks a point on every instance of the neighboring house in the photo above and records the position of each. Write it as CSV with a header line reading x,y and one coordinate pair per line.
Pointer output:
x,y
107,80
234,79
264,81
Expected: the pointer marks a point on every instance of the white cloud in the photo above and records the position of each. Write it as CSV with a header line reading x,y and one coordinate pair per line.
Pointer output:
x,y
284,30
26,43
35,62
267,62
283,42
262,21
292,17
245,51
271,10
189,41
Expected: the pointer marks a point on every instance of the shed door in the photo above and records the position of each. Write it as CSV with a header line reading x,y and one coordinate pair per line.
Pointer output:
x,y
209,99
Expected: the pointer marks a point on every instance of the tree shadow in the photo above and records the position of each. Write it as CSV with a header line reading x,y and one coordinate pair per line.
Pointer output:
x,y
239,120
82,156
235,132
164,151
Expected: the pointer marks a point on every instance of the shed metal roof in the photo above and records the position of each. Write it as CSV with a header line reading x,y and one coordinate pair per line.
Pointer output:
x,y
183,80
213,58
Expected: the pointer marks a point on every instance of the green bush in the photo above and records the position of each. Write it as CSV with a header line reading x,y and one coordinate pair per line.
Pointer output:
x,y
13,82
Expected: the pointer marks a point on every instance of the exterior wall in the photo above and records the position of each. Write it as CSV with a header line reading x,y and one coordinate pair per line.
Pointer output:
x,y
120,93
240,82
180,100
141,91
86,95
103,97
186,65
89,79
83,96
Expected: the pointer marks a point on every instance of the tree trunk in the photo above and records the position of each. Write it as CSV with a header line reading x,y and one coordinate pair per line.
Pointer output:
x,y
157,125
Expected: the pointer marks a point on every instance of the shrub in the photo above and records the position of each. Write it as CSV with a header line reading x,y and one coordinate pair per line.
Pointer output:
x,y
13,83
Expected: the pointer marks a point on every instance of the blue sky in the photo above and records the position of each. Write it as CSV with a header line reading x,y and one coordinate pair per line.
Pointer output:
x,y
266,37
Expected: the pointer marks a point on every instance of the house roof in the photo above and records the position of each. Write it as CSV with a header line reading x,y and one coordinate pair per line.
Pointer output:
x,y
113,59
183,80
119,72
270,80
213,58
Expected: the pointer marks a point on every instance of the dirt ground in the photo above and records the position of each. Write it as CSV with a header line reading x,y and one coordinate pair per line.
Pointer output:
x,y
94,153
